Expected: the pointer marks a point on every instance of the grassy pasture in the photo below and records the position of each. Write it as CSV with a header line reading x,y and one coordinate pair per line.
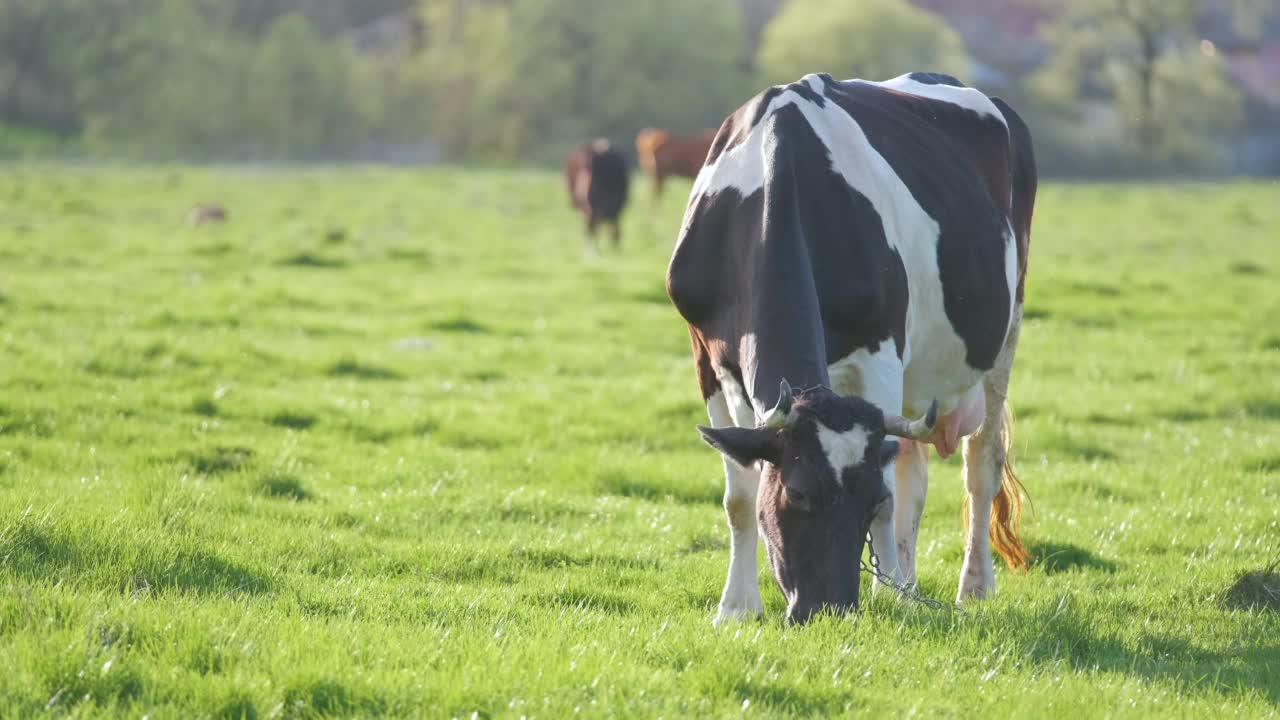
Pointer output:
x,y
390,443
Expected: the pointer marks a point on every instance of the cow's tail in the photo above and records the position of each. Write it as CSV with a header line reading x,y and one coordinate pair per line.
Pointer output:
x,y
1006,507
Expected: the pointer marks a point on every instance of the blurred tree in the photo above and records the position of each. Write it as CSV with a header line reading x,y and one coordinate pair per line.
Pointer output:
x,y
298,89
871,39
35,82
329,17
153,76
1145,60
529,79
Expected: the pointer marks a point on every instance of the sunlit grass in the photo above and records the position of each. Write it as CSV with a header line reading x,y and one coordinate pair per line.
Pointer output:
x,y
392,443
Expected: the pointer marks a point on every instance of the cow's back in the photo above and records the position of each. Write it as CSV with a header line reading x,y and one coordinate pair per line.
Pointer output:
x,y
903,205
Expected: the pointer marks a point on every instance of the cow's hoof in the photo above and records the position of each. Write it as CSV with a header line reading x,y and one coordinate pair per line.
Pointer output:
x,y
733,614
975,593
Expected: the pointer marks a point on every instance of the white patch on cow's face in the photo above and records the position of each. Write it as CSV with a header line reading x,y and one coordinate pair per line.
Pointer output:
x,y
965,97
843,449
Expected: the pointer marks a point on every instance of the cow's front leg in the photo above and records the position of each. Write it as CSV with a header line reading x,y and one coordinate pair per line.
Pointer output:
x,y
741,596
882,538
912,485
877,378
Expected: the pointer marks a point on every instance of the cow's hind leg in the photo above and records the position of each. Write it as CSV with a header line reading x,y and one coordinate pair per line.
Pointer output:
x,y
741,596
990,485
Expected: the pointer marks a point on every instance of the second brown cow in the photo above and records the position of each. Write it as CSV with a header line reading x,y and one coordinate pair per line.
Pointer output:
x,y
664,153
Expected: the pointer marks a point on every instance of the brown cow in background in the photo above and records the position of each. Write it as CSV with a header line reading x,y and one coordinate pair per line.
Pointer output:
x,y
596,177
664,153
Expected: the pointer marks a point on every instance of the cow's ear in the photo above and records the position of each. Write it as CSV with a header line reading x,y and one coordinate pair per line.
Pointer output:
x,y
888,451
744,446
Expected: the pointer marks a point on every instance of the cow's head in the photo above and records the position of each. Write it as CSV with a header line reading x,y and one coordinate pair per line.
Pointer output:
x,y
822,458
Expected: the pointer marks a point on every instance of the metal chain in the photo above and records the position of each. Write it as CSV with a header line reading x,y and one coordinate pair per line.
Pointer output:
x,y
909,592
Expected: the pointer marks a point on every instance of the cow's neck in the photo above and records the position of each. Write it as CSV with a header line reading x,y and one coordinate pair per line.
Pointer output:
x,y
789,342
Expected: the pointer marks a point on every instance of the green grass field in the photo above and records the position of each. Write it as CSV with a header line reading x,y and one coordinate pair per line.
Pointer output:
x,y
390,443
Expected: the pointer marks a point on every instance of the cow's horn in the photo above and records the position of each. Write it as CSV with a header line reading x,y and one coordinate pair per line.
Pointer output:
x,y
777,417
914,429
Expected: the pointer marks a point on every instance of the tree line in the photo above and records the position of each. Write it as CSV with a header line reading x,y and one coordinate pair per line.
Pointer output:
x,y
523,80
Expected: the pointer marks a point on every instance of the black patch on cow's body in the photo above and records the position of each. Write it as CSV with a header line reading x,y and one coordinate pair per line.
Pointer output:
x,y
803,264
1024,186
956,164
933,78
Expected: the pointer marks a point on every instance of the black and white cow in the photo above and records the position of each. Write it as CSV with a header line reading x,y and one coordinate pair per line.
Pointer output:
x,y
865,242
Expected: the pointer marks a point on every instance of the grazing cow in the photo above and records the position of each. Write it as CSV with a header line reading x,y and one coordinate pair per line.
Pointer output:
x,y
866,242
663,153
596,177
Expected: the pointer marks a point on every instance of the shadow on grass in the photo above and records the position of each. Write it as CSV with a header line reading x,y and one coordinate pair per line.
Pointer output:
x,y
1066,634
312,260
352,368
1054,557
1255,590
1261,409
809,700
417,255
1079,449
1265,465
555,559
53,554
1265,409
1183,415
329,698
460,324
1246,267
280,484
617,482
1109,420
219,459
292,420
33,423
607,603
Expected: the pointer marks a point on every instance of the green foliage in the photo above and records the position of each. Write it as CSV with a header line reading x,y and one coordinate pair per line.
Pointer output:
x,y
869,39
454,470
1131,80
298,89
531,78
156,80
161,77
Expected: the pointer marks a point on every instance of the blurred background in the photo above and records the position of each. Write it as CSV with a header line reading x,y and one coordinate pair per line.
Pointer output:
x,y
1111,88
